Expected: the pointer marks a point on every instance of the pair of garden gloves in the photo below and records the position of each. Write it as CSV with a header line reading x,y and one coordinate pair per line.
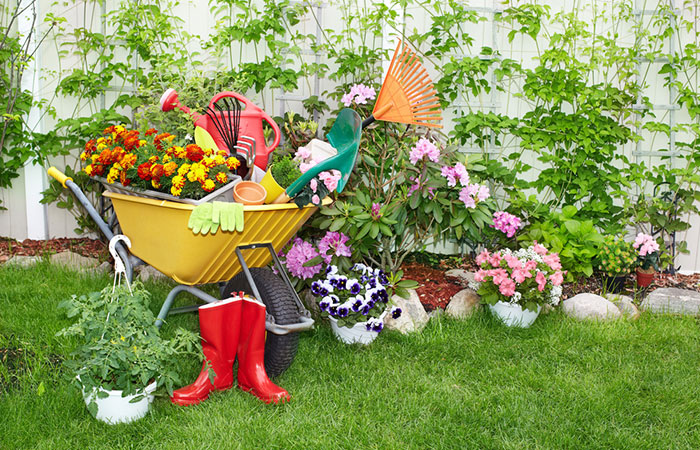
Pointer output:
x,y
208,217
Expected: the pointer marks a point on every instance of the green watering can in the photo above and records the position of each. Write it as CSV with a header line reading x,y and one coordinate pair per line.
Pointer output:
x,y
345,137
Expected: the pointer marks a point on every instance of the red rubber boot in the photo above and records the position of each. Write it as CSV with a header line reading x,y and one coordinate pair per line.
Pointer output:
x,y
251,354
219,326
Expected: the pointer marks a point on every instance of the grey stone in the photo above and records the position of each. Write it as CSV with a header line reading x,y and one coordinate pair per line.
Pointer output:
x,y
24,260
590,306
73,261
309,300
105,267
150,273
463,277
673,300
625,304
413,315
463,304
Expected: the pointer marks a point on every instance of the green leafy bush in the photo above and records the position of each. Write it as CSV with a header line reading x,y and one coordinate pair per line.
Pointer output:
x,y
285,171
616,257
576,241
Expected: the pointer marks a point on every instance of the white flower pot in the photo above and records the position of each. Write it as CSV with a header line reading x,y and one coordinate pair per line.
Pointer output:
x,y
514,315
117,409
357,334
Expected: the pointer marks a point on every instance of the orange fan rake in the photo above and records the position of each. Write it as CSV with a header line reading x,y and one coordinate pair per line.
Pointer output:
x,y
407,95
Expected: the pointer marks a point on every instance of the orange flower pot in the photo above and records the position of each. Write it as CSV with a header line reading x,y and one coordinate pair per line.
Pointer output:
x,y
644,279
249,193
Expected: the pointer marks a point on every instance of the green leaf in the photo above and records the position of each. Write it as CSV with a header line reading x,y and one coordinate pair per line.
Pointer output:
x,y
337,224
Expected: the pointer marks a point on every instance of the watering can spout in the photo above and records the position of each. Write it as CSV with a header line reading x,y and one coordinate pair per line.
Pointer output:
x,y
169,101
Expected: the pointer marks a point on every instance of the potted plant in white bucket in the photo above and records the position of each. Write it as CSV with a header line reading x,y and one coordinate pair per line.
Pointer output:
x,y
515,285
121,358
356,302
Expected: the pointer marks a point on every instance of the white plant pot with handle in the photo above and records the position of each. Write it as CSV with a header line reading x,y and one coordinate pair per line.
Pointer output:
x,y
513,315
357,334
117,409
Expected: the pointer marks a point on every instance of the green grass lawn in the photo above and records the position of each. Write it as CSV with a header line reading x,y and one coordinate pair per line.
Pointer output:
x,y
459,384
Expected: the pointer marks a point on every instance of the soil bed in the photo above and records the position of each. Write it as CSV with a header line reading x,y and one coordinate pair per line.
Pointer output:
x,y
435,290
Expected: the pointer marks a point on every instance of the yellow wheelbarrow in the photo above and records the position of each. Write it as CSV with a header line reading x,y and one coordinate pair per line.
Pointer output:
x,y
235,261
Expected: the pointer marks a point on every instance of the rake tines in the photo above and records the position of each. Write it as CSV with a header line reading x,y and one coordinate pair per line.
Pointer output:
x,y
408,94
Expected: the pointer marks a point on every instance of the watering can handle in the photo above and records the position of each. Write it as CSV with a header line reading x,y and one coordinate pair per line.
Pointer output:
x,y
249,104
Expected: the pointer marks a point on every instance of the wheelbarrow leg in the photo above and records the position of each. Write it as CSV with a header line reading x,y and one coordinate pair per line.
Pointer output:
x,y
177,290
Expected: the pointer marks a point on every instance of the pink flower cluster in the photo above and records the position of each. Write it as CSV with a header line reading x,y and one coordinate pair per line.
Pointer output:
x,y
509,270
458,172
506,223
335,242
329,178
422,148
298,255
359,94
473,194
645,244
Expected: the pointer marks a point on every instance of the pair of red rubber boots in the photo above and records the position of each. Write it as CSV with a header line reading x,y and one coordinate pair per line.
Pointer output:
x,y
230,328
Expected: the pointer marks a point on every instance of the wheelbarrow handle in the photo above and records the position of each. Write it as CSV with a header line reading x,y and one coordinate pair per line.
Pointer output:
x,y
59,176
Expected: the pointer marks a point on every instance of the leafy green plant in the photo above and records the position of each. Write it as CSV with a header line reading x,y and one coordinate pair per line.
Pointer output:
x,y
616,257
121,348
285,170
577,241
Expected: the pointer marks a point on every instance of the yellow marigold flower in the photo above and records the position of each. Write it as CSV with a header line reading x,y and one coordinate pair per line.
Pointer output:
x,y
179,152
208,185
176,191
221,177
191,176
201,174
113,175
219,160
179,181
101,141
170,168
101,147
183,169
83,156
128,160
207,151
232,163
142,142
208,162
155,184
88,169
153,159
222,153
167,158
94,157
120,129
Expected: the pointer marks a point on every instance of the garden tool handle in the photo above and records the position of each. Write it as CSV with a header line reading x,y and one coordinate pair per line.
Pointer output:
x,y
249,104
59,176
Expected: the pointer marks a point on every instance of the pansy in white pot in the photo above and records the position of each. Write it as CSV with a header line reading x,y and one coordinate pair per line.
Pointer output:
x,y
355,301
121,358
516,284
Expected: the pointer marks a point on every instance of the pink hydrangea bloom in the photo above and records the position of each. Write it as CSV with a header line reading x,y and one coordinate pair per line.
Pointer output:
x,y
557,278
507,287
300,253
541,280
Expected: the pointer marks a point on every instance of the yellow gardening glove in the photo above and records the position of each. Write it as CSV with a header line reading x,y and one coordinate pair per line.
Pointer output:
x,y
200,218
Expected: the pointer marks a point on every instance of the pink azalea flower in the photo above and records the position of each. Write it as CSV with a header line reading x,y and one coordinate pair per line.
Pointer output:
x,y
557,278
507,287
461,172
303,153
334,241
482,257
315,199
449,173
467,198
347,99
313,184
541,280
483,193
300,253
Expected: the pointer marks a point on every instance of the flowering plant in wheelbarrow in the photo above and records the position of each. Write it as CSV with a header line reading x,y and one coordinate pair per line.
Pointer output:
x,y
515,284
120,351
356,301
157,161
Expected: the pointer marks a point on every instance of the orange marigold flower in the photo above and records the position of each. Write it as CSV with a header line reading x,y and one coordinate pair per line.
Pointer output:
x,y
108,130
98,169
157,171
123,179
221,177
151,131
90,146
170,168
179,152
105,157
194,153
208,185
232,163
128,161
153,159
144,171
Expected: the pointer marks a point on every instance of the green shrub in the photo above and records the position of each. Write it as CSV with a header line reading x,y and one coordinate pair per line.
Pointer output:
x,y
285,171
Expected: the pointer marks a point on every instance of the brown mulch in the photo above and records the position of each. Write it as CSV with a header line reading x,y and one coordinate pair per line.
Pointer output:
x,y
84,246
435,290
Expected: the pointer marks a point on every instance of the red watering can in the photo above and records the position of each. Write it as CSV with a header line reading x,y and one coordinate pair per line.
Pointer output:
x,y
251,122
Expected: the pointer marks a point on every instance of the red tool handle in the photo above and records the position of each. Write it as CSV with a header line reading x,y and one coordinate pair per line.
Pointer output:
x,y
253,106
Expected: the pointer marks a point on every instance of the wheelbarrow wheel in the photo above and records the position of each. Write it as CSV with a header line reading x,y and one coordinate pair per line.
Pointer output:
x,y
280,350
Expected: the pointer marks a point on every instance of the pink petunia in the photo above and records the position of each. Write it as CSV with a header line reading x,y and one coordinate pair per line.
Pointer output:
x,y
513,262
499,275
495,259
539,249
557,278
520,275
552,260
480,275
507,287
482,257
541,280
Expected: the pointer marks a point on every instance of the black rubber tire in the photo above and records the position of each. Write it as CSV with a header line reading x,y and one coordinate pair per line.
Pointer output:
x,y
279,350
